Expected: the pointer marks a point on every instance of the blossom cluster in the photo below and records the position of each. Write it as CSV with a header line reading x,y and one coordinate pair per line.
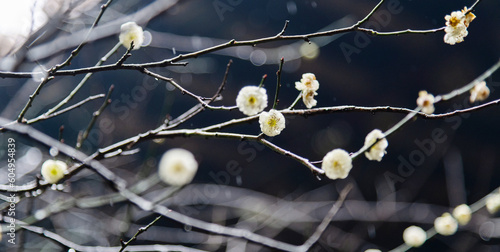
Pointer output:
x,y
308,86
447,224
456,26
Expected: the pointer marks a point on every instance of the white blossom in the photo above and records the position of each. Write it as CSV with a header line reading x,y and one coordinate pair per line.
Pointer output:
x,y
177,167
53,170
479,92
462,214
426,102
456,26
414,236
272,122
337,164
446,224
377,151
129,32
251,100
308,82
468,17
308,98
308,86
493,203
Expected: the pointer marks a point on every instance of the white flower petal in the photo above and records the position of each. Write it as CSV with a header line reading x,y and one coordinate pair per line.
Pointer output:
x,y
414,236
272,122
377,151
129,32
446,224
462,214
177,167
493,203
308,82
53,170
337,164
251,100
426,102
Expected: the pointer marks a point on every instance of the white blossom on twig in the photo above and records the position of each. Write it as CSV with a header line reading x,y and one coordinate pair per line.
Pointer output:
x,y
308,98
456,26
272,122
337,164
414,236
426,102
177,167
129,32
308,81
251,100
493,203
462,214
308,85
53,170
377,151
479,92
446,224
468,17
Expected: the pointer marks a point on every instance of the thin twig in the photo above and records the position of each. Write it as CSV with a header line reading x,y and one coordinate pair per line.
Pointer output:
x,y
295,102
198,107
96,114
140,231
362,21
126,55
185,91
78,87
392,33
300,159
21,118
328,218
278,83
232,43
264,77
80,46
69,244
62,111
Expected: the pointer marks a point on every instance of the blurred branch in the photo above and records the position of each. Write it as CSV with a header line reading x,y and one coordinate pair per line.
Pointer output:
x,y
104,30
232,43
69,244
328,218
69,108
140,231
95,115
83,43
